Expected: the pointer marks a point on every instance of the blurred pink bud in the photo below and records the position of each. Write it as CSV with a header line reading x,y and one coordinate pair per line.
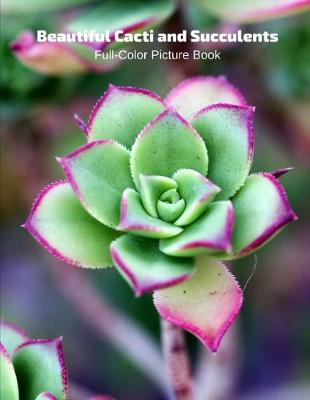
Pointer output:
x,y
53,58
46,58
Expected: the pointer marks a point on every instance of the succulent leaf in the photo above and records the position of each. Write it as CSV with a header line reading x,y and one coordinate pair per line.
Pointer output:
x,y
245,11
134,219
151,188
167,144
211,233
192,95
9,386
46,58
261,211
121,113
205,305
11,336
40,366
113,15
62,226
145,267
99,173
228,133
197,192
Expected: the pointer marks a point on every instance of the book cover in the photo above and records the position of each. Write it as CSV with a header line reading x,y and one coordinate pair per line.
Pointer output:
x,y
155,199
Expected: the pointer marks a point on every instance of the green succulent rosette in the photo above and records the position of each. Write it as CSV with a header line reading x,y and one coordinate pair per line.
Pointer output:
x,y
162,191
31,369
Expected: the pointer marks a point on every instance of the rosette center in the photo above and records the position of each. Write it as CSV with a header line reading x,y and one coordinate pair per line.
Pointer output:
x,y
170,205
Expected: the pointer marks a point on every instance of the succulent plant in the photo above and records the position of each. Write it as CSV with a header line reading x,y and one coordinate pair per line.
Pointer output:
x,y
162,191
31,368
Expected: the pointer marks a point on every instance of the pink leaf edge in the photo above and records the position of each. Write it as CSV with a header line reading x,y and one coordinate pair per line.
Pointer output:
x,y
4,352
15,328
37,236
107,94
125,224
221,244
47,396
269,12
65,161
80,123
141,288
249,118
283,220
60,356
222,80
26,48
214,342
169,111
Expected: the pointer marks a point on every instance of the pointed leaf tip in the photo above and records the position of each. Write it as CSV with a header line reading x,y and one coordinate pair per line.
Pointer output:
x,y
81,124
281,171
261,211
168,143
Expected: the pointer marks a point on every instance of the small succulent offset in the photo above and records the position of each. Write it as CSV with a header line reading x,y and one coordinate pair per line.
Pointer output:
x,y
162,191
31,369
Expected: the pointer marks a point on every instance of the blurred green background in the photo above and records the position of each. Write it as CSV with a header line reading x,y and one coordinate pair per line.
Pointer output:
x,y
37,124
